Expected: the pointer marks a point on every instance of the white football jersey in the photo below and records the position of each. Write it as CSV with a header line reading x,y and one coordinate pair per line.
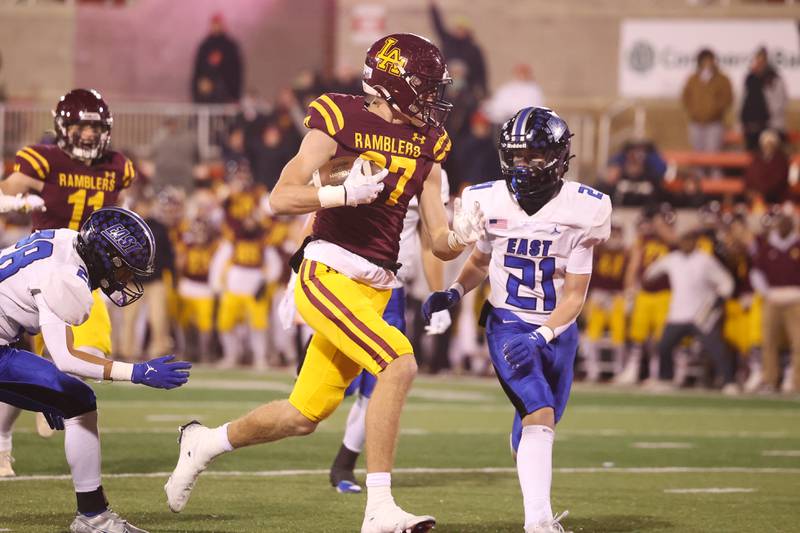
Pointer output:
x,y
532,253
409,255
47,264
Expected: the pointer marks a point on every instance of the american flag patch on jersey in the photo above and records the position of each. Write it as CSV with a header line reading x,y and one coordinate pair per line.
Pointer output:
x,y
499,223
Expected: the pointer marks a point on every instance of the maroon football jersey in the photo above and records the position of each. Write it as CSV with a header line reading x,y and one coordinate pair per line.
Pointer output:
x,y
72,190
780,267
246,227
653,248
373,230
608,272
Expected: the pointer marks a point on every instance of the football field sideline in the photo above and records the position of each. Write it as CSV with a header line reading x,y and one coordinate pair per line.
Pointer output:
x,y
486,470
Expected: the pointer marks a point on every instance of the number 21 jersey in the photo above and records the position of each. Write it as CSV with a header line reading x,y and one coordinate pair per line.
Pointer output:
x,y
531,254
72,190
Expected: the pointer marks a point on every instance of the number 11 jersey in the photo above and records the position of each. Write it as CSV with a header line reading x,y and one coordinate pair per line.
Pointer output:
x,y
531,254
372,231
72,190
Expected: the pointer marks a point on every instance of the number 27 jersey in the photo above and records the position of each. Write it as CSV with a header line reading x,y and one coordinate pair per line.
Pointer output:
x,y
531,254
72,190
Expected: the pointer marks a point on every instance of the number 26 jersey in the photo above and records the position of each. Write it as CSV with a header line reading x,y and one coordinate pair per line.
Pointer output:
x,y
531,254
72,190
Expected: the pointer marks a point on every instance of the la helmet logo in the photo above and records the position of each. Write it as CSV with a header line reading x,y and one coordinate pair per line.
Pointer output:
x,y
121,238
389,58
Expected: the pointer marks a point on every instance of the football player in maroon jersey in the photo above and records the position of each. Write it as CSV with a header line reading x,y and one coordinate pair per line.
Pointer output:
x,y
63,184
347,266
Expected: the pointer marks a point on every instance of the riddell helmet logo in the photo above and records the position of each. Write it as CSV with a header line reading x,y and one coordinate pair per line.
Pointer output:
x,y
121,238
390,60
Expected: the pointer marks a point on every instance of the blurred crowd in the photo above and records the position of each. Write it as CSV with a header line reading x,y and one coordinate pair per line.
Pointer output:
x,y
222,264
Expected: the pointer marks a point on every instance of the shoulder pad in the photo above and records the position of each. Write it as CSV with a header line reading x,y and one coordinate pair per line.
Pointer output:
x,y
33,161
325,113
67,294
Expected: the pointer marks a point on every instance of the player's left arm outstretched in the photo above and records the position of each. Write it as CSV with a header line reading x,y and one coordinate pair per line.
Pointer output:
x,y
468,222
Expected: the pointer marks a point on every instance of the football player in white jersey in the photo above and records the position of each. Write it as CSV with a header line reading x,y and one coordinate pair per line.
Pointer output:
x,y
413,251
46,281
537,250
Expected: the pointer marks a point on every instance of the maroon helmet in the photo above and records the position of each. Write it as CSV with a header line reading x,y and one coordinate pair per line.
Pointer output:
x,y
409,72
83,107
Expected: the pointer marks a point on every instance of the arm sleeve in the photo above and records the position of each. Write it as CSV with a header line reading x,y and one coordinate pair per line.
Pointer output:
x,y
438,25
217,267
580,260
54,332
723,281
759,281
128,174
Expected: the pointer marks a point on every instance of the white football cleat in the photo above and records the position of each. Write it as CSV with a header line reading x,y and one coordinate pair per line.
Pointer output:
x,y
392,519
5,465
553,526
191,463
106,522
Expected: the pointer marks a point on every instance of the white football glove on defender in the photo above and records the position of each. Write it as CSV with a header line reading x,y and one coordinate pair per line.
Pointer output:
x,y
360,187
468,225
440,321
26,204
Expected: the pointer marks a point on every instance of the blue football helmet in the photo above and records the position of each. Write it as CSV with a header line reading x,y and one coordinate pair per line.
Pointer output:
x,y
118,248
534,156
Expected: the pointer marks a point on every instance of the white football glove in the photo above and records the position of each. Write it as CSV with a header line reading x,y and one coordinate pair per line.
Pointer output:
x,y
26,204
468,225
440,321
360,187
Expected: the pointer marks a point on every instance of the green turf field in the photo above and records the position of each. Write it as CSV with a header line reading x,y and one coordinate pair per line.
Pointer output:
x,y
625,462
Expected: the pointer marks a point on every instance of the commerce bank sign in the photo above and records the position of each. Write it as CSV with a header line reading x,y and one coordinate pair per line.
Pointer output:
x,y
656,57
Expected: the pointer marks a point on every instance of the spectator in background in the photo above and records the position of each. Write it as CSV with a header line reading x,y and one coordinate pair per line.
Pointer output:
x,y
765,99
521,91
174,154
475,157
768,173
459,44
707,96
234,151
635,175
699,282
271,155
776,276
463,99
217,77
251,118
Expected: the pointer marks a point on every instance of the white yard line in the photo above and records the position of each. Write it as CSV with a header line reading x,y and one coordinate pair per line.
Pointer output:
x,y
488,470
781,453
709,490
662,445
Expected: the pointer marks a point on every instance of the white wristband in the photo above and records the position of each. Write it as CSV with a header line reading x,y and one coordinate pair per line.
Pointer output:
x,y
121,371
332,196
459,288
546,333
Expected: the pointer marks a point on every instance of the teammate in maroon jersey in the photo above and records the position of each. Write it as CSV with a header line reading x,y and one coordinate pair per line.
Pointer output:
x,y
71,180
349,265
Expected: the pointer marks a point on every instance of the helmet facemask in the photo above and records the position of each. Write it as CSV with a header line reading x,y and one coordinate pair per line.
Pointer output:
x,y
70,138
430,107
533,176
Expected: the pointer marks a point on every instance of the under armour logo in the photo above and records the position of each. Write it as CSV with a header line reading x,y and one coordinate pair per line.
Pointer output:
x,y
555,231
150,369
417,138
